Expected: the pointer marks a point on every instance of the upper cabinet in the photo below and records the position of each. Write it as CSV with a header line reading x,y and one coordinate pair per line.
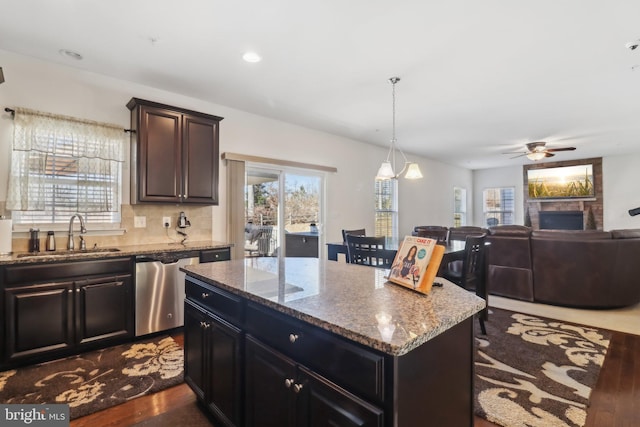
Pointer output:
x,y
174,154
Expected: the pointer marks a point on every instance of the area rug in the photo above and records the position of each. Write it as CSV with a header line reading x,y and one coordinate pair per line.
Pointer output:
x,y
534,371
99,379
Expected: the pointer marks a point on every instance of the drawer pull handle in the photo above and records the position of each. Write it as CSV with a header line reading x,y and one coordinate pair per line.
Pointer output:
x,y
288,383
297,388
205,295
293,338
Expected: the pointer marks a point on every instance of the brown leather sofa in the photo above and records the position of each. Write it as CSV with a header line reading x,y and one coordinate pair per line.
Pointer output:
x,y
587,268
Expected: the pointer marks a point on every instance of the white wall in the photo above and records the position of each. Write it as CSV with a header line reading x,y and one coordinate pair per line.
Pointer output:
x,y
63,90
621,188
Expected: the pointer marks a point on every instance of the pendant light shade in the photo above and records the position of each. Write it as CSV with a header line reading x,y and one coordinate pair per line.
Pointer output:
x,y
387,168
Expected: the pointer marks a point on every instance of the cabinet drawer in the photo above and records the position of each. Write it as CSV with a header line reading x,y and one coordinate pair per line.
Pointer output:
x,y
351,366
214,255
52,271
222,303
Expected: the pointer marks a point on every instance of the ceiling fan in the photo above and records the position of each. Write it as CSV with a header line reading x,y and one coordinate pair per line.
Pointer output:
x,y
537,151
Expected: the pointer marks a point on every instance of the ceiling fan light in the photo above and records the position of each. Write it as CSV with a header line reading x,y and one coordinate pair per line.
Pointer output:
x,y
385,171
536,155
413,171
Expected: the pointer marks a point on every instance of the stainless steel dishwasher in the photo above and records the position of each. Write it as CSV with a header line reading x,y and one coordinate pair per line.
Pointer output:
x,y
160,291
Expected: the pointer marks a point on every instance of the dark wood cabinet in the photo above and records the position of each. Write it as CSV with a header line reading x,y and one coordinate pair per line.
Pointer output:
x,y
56,309
212,364
270,380
277,371
174,154
282,393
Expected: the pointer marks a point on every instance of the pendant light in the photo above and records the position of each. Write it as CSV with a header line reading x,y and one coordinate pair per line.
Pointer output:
x,y
388,167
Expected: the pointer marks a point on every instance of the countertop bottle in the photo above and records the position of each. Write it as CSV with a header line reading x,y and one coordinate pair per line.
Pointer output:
x,y
51,241
34,240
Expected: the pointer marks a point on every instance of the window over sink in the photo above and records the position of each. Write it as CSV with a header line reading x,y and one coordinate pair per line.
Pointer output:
x,y
62,165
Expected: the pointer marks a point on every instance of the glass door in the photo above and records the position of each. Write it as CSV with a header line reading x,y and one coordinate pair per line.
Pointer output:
x,y
283,212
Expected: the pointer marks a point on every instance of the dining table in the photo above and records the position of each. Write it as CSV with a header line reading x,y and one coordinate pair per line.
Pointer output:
x,y
453,249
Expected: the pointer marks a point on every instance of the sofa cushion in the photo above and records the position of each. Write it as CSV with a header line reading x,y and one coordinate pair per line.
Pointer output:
x,y
629,233
571,234
510,230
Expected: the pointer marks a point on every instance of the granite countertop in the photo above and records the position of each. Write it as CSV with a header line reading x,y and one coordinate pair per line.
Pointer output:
x,y
350,300
109,252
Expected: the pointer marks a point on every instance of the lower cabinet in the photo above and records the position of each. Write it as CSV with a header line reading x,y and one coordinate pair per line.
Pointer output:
x,y
57,309
212,362
255,366
244,381
282,393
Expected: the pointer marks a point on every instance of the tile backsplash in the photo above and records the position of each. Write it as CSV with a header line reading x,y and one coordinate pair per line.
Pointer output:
x,y
200,218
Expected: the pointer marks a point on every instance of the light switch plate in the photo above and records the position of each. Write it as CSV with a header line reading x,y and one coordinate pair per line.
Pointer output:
x,y
139,221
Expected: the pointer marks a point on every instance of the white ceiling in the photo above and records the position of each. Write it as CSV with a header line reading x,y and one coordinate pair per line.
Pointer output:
x,y
478,77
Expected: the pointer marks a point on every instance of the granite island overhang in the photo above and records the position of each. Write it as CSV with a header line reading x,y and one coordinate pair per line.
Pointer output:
x,y
395,356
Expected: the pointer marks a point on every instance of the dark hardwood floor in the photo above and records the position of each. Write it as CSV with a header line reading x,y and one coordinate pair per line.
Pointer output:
x,y
615,401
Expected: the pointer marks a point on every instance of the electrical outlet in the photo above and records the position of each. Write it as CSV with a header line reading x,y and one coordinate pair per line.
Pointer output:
x,y
139,221
166,221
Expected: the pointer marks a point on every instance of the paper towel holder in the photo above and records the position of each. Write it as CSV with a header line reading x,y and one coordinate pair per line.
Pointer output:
x,y
6,249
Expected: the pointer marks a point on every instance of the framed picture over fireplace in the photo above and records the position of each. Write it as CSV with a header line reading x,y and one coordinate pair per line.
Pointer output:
x,y
562,182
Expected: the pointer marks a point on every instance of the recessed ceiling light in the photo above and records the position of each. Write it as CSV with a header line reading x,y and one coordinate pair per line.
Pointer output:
x,y
70,54
251,57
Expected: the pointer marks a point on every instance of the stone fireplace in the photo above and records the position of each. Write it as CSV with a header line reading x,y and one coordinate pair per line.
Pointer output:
x,y
576,213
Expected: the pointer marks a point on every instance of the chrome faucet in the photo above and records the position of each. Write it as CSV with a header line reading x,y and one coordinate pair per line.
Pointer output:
x,y
83,229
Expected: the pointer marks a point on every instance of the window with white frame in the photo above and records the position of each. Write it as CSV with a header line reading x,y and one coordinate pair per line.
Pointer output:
x,y
498,205
459,206
386,212
61,166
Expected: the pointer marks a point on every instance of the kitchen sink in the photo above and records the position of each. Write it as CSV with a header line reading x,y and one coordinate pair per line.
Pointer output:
x,y
67,252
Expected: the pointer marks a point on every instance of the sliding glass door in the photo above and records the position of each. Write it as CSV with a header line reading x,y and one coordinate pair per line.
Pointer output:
x,y
283,212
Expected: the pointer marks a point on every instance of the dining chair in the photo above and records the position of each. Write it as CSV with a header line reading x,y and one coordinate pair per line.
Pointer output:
x,y
437,232
358,232
368,250
470,274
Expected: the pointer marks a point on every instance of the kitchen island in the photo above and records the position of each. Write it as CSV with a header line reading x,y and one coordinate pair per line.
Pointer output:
x,y
305,341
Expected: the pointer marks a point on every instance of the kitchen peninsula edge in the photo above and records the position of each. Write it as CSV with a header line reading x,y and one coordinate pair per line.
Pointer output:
x,y
311,341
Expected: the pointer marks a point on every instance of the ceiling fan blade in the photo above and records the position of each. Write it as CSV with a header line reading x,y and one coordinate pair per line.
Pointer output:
x,y
548,154
560,149
519,155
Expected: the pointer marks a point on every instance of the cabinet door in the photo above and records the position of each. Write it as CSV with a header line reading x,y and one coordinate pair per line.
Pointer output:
x,y
213,363
195,357
104,309
325,404
159,163
224,345
200,160
270,380
38,319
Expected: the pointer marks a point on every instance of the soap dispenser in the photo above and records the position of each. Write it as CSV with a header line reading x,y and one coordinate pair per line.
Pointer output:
x,y
34,240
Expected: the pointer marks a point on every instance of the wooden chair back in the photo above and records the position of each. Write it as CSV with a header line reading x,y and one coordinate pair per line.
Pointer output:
x,y
358,232
438,232
367,250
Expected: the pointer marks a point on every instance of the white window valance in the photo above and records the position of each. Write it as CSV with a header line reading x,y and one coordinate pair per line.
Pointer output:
x,y
65,163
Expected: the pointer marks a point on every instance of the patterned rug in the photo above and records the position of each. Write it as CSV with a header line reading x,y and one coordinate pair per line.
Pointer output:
x,y
99,379
533,371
